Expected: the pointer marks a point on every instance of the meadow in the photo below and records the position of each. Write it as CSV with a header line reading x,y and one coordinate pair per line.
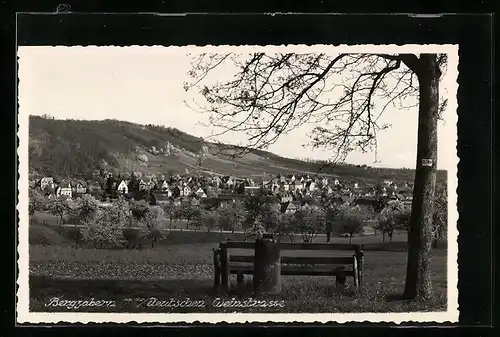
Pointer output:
x,y
175,270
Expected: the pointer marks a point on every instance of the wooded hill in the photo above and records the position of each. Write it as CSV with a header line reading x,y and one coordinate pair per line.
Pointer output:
x,y
77,148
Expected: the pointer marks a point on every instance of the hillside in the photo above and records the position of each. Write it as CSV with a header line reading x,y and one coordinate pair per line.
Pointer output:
x,y
77,148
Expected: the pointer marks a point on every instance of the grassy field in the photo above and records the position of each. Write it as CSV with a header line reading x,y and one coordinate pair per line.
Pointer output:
x,y
52,232
185,271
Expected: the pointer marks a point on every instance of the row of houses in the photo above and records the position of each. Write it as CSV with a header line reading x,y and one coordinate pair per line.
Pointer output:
x,y
289,187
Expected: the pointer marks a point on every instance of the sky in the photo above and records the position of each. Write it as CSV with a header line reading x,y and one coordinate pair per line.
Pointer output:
x,y
145,85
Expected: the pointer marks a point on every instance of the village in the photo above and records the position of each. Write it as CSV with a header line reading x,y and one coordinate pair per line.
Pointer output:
x,y
211,191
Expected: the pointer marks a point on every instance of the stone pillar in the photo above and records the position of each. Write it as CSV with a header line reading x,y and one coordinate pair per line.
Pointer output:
x,y
267,267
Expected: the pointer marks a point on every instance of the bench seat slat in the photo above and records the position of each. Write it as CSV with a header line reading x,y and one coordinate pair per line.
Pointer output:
x,y
296,271
299,259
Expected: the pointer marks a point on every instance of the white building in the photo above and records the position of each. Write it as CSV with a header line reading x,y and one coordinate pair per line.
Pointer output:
x,y
122,187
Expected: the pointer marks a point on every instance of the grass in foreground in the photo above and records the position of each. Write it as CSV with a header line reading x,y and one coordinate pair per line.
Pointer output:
x,y
300,294
185,271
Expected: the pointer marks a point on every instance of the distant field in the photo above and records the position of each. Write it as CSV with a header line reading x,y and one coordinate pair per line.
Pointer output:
x,y
54,234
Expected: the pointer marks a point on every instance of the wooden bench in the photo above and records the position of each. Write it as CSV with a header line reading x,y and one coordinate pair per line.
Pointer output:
x,y
340,267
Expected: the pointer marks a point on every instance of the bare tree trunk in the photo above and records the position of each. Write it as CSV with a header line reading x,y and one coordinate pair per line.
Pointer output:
x,y
418,275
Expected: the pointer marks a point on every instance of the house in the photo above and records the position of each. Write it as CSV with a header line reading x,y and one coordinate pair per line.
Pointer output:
x,y
216,181
185,191
284,187
122,187
160,199
324,182
251,189
310,186
408,201
365,202
64,189
176,192
164,185
143,186
297,186
166,191
228,181
46,182
200,193
81,187
286,198
289,207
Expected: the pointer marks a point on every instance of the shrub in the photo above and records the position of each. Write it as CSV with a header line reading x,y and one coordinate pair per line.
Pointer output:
x,y
106,227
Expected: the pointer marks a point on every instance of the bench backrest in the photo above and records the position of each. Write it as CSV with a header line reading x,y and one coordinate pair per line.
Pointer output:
x,y
296,246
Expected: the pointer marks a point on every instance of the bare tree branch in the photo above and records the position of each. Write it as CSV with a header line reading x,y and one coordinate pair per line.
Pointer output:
x,y
343,96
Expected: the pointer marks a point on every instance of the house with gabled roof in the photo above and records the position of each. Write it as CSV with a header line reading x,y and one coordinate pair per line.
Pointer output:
x,y
122,187
289,207
200,193
163,185
143,186
47,182
160,199
81,187
64,188
185,191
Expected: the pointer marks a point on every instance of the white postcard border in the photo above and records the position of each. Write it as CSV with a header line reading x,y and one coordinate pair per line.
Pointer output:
x,y
452,313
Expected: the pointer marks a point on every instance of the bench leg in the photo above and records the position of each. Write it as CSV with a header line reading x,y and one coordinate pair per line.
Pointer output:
x,y
340,280
217,269
239,280
225,270
356,273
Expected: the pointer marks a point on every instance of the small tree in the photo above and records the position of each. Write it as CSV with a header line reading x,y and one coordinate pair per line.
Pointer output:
x,y
59,207
209,220
394,216
85,207
189,213
311,221
230,217
331,216
351,221
256,205
271,220
139,209
171,211
150,226
288,226
37,202
198,219
106,227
